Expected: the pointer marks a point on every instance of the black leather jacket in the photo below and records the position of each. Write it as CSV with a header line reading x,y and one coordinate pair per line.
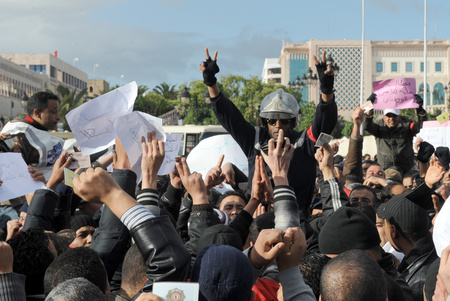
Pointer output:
x,y
415,265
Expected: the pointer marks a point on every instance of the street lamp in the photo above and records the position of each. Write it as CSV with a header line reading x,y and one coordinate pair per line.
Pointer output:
x,y
75,59
24,100
185,98
121,77
95,66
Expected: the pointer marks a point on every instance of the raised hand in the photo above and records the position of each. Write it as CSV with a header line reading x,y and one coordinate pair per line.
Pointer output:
x,y
95,185
215,176
193,183
279,158
152,158
209,69
295,247
324,157
326,76
434,174
267,247
57,175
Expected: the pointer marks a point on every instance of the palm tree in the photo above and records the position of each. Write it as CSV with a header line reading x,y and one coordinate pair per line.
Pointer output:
x,y
168,92
69,101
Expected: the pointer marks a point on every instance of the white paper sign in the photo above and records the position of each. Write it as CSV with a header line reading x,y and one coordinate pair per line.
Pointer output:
x,y
171,149
17,181
441,230
92,123
130,129
207,153
435,133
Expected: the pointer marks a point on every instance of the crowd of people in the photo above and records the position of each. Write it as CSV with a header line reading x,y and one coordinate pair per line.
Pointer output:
x,y
312,225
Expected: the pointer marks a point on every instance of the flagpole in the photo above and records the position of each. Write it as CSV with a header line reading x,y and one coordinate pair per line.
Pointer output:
x,y
425,86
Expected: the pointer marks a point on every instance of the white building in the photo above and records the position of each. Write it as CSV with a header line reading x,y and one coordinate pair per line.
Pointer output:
x,y
271,71
382,60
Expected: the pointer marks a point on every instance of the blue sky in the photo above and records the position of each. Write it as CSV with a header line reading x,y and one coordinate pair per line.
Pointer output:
x,y
155,41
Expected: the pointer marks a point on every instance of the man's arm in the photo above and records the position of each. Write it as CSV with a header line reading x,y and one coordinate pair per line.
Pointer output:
x,y
332,193
228,114
285,203
353,163
326,112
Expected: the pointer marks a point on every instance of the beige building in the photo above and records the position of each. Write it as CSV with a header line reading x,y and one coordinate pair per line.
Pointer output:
x,y
382,60
15,80
59,72
97,87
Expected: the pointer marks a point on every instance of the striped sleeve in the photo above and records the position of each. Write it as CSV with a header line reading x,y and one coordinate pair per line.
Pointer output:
x,y
335,194
12,287
148,197
135,216
285,208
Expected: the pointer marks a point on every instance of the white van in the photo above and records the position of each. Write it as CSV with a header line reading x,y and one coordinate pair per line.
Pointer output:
x,y
193,134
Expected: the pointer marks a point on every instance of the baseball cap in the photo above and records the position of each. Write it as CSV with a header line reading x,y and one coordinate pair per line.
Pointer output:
x,y
393,111
410,217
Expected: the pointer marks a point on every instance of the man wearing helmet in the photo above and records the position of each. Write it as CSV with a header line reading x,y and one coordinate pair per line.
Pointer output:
x,y
279,111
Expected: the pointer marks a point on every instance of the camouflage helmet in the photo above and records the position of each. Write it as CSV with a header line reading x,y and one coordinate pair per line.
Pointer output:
x,y
279,105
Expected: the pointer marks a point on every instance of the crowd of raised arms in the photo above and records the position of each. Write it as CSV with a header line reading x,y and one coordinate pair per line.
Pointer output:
x,y
311,225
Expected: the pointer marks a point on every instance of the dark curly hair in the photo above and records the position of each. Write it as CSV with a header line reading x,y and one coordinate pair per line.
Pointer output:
x,y
32,256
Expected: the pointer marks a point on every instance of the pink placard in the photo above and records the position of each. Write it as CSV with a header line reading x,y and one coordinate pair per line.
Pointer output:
x,y
396,93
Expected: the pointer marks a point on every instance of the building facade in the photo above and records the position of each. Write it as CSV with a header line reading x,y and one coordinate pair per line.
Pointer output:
x,y
15,80
32,72
271,71
59,72
382,60
97,87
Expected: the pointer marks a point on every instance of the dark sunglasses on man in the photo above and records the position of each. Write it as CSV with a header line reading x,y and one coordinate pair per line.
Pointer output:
x,y
274,121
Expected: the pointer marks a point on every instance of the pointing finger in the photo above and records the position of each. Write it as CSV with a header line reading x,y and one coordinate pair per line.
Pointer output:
x,y
315,60
323,56
207,54
219,164
215,56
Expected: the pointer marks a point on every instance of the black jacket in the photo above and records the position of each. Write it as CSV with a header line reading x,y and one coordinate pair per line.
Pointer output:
x,y
302,170
415,265
394,146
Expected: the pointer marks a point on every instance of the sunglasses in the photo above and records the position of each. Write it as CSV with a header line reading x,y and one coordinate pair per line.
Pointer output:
x,y
274,121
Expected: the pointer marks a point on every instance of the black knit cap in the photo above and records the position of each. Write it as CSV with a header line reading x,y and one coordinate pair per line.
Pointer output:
x,y
347,229
443,155
219,235
401,212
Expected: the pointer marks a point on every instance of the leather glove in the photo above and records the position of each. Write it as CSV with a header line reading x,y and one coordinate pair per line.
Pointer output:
x,y
209,75
326,80
425,152
372,97
420,110
419,100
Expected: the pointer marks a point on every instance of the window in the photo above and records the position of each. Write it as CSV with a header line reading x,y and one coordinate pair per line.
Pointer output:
x,y
421,67
379,67
39,68
438,67
409,67
394,67
52,71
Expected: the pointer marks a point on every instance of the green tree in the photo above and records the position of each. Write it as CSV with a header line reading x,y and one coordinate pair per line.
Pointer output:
x,y
69,101
167,91
348,128
338,129
308,114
